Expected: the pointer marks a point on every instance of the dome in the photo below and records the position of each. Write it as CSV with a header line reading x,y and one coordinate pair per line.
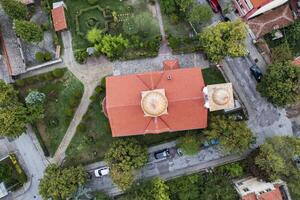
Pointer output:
x,y
154,104
220,96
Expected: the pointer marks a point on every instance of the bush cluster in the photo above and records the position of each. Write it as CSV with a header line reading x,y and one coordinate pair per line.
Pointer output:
x,y
43,56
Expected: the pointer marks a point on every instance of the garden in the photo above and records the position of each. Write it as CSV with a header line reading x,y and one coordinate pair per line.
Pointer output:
x,y
133,20
63,92
11,173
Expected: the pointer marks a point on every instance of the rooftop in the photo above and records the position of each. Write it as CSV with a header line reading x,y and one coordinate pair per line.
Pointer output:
x,y
272,195
297,61
59,19
271,20
27,2
156,102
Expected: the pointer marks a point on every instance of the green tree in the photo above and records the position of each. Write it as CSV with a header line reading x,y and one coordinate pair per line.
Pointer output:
x,y
112,46
234,136
168,6
61,183
14,9
28,31
123,157
160,191
282,53
81,56
13,114
189,144
224,39
280,83
94,35
233,170
184,5
200,14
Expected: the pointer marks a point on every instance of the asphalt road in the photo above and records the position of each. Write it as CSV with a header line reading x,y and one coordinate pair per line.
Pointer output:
x,y
265,120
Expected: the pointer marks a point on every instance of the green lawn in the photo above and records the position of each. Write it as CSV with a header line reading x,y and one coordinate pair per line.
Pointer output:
x,y
90,143
11,173
62,98
212,75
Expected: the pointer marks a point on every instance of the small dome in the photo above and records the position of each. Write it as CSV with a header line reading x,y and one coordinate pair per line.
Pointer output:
x,y
154,104
220,96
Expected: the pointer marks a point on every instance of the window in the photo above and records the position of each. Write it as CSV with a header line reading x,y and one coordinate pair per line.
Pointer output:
x,y
240,183
246,190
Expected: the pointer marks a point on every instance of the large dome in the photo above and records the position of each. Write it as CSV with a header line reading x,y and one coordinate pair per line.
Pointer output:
x,y
154,103
220,96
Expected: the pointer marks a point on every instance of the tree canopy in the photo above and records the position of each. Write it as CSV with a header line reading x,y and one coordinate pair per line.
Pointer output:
x,y
184,5
282,53
28,31
200,14
94,35
13,118
280,83
224,39
112,46
189,144
234,136
61,183
123,157
14,9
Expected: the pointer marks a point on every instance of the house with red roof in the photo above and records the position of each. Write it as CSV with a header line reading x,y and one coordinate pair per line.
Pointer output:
x,y
253,189
264,16
156,102
59,18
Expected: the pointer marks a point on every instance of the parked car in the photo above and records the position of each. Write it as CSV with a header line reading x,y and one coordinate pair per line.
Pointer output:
x,y
162,154
256,72
101,171
214,4
211,142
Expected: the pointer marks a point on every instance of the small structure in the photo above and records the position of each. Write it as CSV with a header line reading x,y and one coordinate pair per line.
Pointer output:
x,y
58,4
3,191
219,96
155,102
253,189
59,18
297,61
90,50
171,64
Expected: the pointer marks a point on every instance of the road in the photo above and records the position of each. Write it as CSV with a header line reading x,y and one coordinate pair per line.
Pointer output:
x,y
265,120
172,167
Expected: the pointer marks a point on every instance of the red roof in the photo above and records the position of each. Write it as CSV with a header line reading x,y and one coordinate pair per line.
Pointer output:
x,y
171,64
183,89
260,3
273,19
273,195
59,19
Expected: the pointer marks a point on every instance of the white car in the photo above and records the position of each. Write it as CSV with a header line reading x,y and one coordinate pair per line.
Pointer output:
x,y
101,171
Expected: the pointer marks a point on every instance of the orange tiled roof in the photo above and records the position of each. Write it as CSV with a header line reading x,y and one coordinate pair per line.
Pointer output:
x,y
273,195
185,102
260,3
59,19
171,64
273,19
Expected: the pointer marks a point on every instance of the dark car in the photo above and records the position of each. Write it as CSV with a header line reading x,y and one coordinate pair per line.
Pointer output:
x,y
256,72
214,4
162,154
211,142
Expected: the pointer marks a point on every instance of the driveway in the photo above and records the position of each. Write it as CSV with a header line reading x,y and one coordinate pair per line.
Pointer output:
x,y
265,120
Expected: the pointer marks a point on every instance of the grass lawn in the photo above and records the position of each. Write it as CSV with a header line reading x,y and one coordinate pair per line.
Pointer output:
x,y
62,98
11,173
90,144
212,75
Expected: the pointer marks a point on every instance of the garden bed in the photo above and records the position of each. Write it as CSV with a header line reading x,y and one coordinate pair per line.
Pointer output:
x,y
63,93
11,173
109,16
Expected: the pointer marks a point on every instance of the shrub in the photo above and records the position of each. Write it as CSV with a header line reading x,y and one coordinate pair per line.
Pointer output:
x,y
98,89
28,31
14,9
174,42
58,73
81,56
77,94
174,19
103,82
47,56
49,76
189,144
20,82
29,80
45,26
74,102
92,2
93,97
39,56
